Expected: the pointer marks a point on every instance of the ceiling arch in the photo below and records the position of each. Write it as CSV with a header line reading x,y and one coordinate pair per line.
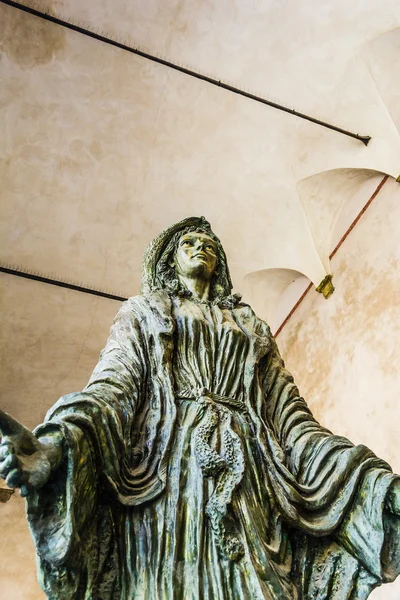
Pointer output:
x,y
324,197
265,289
378,55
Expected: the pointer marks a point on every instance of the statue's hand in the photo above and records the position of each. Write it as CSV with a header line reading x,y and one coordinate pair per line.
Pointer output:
x,y
393,498
25,462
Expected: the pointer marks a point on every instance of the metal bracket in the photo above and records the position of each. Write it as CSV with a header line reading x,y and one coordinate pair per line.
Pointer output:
x,y
326,287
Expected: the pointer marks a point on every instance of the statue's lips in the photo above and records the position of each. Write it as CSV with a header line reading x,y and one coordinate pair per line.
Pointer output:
x,y
202,257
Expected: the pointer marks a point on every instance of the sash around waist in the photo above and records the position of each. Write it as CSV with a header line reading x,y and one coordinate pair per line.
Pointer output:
x,y
203,395
225,464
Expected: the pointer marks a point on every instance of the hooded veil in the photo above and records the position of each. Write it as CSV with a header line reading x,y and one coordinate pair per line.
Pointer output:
x,y
158,275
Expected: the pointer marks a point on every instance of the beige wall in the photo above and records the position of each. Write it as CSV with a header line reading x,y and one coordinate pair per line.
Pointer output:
x,y
344,352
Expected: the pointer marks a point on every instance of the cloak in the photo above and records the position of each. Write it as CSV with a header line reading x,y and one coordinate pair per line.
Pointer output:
x,y
118,433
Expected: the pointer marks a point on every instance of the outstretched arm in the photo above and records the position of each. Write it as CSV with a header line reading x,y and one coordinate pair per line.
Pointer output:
x,y
353,494
104,411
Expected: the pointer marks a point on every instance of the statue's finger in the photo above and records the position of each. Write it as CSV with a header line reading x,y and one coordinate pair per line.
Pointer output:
x,y
6,448
14,478
3,469
8,463
24,491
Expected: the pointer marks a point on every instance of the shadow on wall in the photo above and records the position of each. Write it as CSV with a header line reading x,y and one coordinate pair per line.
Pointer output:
x,y
268,293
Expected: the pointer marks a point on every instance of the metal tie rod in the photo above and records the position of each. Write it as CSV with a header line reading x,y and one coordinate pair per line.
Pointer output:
x,y
166,63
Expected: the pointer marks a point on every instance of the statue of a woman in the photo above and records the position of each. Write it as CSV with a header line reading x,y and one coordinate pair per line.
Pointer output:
x,y
190,468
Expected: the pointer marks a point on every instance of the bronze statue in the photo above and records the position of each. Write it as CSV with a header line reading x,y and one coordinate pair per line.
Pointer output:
x,y
190,468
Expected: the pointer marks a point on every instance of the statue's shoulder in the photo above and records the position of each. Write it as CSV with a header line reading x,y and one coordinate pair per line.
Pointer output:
x,y
138,303
135,307
248,318
144,306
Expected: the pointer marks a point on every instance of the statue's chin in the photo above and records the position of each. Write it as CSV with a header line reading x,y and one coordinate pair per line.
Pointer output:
x,y
198,270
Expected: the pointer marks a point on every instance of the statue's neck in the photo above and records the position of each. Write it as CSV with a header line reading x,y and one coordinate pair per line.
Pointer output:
x,y
199,288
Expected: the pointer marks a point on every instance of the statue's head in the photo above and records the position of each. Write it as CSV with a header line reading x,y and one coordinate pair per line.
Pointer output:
x,y
174,250
195,256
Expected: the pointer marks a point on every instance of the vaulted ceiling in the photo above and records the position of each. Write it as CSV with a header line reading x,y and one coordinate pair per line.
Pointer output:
x,y
101,149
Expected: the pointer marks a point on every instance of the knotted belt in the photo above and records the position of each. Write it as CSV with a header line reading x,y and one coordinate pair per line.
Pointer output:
x,y
227,467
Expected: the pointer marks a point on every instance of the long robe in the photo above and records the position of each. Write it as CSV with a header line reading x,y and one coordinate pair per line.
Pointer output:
x,y
194,470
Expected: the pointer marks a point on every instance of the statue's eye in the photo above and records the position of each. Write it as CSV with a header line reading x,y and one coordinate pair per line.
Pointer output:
x,y
186,243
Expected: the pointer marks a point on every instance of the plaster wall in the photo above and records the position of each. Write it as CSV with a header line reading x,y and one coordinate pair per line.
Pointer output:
x,y
343,352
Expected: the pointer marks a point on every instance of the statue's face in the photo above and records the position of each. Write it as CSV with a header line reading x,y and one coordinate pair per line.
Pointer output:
x,y
196,256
